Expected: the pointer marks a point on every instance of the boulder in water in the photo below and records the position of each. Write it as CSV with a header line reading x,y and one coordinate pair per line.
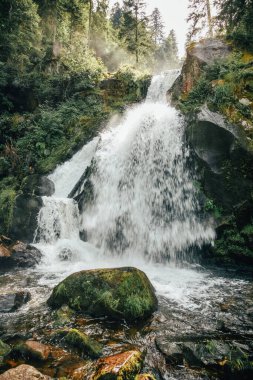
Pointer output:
x,y
23,372
78,339
119,293
121,366
65,254
10,302
34,350
19,255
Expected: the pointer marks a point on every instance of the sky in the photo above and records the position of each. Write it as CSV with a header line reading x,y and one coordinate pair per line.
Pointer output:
x,y
174,13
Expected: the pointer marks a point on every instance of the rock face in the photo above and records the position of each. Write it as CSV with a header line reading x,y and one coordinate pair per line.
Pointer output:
x,y
120,293
23,372
10,302
19,255
221,147
24,219
37,185
198,55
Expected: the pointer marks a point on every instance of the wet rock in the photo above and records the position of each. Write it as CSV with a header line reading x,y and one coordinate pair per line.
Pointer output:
x,y
78,339
10,302
5,349
38,185
20,255
119,293
210,353
65,254
63,315
25,214
121,366
171,350
4,251
144,376
33,349
23,372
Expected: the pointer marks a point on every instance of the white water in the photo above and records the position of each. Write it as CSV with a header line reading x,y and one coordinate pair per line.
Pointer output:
x,y
145,209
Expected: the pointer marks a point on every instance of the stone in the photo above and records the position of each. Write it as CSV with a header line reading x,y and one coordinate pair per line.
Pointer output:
x,y
25,217
5,349
36,184
121,366
23,372
78,339
10,302
245,102
33,349
63,315
208,353
4,251
144,376
65,254
171,350
119,293
20,255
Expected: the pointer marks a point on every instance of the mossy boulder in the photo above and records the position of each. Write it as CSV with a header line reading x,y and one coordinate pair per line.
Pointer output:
x,y
82,341
119,293
121,366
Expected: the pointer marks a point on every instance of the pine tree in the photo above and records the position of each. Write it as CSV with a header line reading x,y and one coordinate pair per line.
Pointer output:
x,y
157,26
116,14
137,15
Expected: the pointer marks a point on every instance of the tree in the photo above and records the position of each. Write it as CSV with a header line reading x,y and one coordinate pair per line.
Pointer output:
x,y
116,14
167,54
236,17
200,17
20,32
135,9
157,26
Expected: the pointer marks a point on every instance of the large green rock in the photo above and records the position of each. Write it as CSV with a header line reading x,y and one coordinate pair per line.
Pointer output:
x,y
119,293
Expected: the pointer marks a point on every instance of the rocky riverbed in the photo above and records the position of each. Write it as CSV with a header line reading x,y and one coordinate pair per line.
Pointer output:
x,y
206,333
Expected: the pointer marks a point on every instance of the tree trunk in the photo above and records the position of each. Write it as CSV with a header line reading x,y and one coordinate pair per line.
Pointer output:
x,y
136,34
90,20
209,18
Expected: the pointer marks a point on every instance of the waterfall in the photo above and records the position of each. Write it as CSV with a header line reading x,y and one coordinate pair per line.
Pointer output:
x,y
144,204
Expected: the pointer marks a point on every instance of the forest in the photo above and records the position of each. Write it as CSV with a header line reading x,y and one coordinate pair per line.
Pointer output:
x,y
126,190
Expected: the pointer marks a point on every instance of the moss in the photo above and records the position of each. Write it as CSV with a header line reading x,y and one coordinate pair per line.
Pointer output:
x,y
7,201
5,349
123,293
77,339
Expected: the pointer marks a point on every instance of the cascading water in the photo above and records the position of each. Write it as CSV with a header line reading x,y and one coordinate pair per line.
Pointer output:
x,y
145,202
144,209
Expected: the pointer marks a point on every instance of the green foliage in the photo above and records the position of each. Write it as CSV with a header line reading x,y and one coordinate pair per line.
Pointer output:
x,y
7,198
211,207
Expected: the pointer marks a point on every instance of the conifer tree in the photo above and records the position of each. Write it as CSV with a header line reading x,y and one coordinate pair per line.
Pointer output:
x,y
157,26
